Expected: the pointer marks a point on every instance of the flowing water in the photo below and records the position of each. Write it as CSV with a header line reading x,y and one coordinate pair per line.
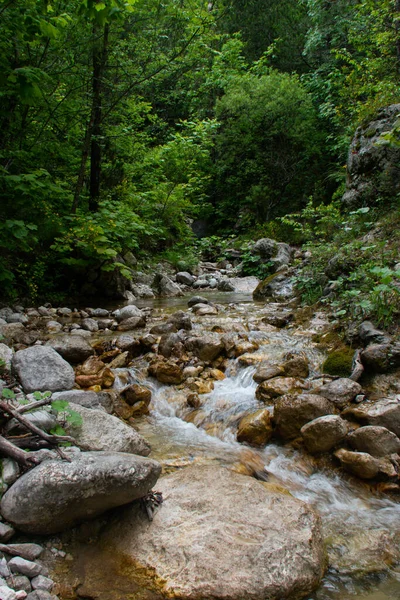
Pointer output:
x,y
362,529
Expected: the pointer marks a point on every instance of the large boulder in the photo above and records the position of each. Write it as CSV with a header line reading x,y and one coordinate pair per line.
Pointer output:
x,y
373,169
127,312
365,466
224,536
101,431
41,368
377,441
278,386
75,349
292,412
185,278
324,433
164,286
385,413
207,347
56,495
278,286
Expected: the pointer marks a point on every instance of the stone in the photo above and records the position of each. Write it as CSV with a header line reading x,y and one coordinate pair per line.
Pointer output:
x,y
369,334
265,247
100,431
4,568
324,433
181,320
245,347
340,391
385,413
296,367
41,595
86,399
6,532
42,583
185,278
10,470
278,286
56,494
120,361
376,357
74,349
41,368
132,323
207,347
127,312
100,313
23,566
292,412
365,466
166,372
90,325
137,393
278,386
42,418
255,429
265,372
204,310
198,300
6,355
7,593
377,441
29,551
17,318
164,286
225,285
21,582
272,543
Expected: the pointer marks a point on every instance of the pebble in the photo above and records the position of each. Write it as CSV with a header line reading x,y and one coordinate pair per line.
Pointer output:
x,y
25,567
42,583
20,582
28,551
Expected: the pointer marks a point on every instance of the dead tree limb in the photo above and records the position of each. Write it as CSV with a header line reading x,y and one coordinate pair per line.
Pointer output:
x,y
23,458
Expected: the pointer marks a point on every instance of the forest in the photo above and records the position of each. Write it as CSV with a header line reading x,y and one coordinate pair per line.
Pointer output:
x,y
124,123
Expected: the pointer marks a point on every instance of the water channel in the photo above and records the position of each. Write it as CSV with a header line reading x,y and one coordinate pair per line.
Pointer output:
x,y
361,528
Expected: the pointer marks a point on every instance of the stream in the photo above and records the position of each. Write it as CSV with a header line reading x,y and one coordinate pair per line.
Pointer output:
x,y
361,528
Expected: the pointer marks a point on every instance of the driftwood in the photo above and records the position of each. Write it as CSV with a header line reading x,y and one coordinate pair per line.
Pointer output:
x,y
15,446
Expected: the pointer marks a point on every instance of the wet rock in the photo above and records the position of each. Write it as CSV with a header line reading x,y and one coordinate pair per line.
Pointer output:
x,y
171,344
265,372
324,433
132,323
279,320
193,400
181,320
277,286
364,465
272,542
369,334
200,386
127,312
137,393
202,310
163,329
207,347
90,325
166,372
164,286
377,441
185,278
278,386
244,347
296,367
255,429
56,495
340,391
292,412
100,313
100,431
73,349
198,300
385,413
41,368
128,343
225,285
381,357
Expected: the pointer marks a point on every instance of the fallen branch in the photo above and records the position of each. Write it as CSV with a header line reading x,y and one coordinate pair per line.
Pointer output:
x,y
20,456
26,407
357,366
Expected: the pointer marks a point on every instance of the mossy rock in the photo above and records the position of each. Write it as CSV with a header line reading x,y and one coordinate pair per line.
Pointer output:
x,y
261,290
339,362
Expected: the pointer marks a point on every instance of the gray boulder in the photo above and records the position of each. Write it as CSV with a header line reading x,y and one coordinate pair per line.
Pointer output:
x,y
369,334
324,433
101,431
41,368
377,441
86,399
90,325
198,300
266,248
56,495
340,391
223,536
164,286
385,413
278,286
127,312
292,412
6,355
75,349
185,278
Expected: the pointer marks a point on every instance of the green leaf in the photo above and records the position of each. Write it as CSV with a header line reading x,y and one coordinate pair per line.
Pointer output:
x,y
74,418
8,394
57,430
59,405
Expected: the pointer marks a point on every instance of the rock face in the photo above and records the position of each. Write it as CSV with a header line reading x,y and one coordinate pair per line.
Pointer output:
x,y
41,368
272,543
373,169
56,495
100,431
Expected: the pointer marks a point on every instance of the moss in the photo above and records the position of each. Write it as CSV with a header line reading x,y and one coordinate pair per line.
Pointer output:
x,y
339,362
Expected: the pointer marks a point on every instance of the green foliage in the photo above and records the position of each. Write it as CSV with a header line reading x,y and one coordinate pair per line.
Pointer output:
x,y
339,362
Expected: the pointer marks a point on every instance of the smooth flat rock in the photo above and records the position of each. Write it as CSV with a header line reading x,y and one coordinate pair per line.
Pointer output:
x,y
223,536
41,368
101,431
56,495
